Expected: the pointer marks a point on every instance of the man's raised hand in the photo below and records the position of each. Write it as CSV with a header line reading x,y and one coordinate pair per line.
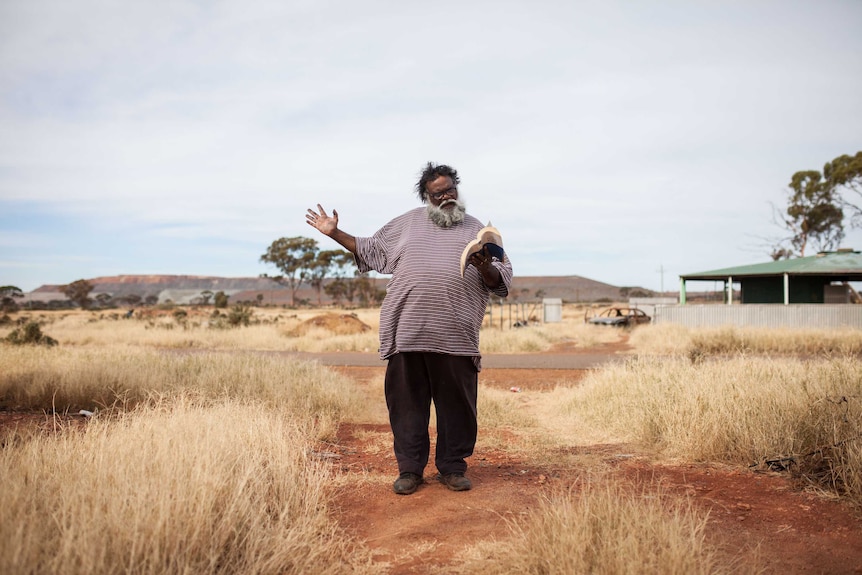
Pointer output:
x,y
324,223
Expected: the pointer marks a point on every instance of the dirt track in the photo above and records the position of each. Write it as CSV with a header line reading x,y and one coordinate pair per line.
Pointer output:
x,y
796,531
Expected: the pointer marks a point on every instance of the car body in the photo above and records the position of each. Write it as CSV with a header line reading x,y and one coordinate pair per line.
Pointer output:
x,y
620,317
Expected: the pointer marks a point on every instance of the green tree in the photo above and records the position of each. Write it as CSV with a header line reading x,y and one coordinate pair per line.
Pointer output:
x,y
220,300
337,289
342,285
133,299
813,215
781,253
104,299
8,294
327,262
294,257
78,292
366,291
844,176
206,295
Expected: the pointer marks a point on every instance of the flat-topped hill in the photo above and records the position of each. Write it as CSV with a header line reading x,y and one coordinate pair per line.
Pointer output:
x,y
182,288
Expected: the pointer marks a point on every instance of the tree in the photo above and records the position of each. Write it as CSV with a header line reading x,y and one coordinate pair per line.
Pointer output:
x,y
337,289
205,296
294,257
11,291
133,299
326,262
220,300
342,286
78,292
104,299
813,214
317,271
844,176
8,294
366,291
780,253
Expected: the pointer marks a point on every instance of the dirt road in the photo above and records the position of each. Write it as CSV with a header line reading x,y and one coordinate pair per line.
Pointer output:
x,y
796,531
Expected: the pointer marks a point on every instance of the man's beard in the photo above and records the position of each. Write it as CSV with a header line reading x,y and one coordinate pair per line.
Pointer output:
x,y
447,217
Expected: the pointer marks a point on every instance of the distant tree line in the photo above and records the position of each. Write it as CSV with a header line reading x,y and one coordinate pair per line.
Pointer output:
x,y
300,261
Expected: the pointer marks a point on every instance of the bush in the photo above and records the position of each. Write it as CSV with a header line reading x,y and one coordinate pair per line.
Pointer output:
x,y
220,300
239,316
30,334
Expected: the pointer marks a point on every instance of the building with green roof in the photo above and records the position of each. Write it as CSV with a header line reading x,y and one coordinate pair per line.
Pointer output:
x,y
819,279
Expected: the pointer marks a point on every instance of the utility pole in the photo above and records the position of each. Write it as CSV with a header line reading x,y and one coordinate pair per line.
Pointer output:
x,y
661,271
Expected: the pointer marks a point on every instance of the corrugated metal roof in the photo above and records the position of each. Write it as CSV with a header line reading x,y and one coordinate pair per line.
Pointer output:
x,y
841,263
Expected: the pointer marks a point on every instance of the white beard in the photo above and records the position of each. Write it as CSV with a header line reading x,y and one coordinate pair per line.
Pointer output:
x,y
446,218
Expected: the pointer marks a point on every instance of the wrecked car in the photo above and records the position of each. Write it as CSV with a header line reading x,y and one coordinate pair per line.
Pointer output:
x,y
620,317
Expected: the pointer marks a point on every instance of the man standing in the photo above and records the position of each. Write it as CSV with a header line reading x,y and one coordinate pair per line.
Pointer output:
x,y
429,323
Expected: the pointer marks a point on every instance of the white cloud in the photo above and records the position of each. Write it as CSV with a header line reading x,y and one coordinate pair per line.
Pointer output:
x,y
601,138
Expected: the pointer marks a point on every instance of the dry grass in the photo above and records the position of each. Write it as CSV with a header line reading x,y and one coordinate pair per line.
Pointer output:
x,y
670,339
69,379
179,486
278,330
542,337
270,330
746,411
198,460
602,527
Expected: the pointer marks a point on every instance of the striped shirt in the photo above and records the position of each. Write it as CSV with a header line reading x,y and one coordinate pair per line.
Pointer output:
x,y
428,305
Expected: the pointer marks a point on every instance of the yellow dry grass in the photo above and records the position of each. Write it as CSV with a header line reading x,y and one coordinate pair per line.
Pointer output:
x,y
199,457
601,527
179,486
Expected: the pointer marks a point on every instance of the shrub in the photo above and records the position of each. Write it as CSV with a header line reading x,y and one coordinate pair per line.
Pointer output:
x,y
30,334
239,315
220,299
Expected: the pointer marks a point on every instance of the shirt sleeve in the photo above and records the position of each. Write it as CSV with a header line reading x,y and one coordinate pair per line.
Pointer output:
x,y
373,253
505,269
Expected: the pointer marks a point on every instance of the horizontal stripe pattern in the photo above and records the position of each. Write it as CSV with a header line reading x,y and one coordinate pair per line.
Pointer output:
x,y
428,305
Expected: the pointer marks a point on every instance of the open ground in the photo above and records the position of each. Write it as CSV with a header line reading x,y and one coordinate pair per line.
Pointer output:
x,y
755,515
759,520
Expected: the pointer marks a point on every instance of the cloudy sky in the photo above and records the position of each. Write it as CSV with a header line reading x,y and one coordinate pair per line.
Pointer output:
x,y
624,141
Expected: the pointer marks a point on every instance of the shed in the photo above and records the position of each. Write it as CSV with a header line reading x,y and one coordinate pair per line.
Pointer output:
x,y
815,279
553,310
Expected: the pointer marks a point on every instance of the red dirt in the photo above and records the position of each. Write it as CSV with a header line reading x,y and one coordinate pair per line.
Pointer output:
x,y
794,530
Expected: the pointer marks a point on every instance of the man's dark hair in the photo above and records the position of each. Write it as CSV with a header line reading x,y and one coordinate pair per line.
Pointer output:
x,y
432,172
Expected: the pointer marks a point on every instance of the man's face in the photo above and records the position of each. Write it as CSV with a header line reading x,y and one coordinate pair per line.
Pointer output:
x,y
441,191
444,207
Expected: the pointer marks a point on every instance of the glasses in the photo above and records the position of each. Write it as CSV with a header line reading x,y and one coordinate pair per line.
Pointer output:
x,y
451,192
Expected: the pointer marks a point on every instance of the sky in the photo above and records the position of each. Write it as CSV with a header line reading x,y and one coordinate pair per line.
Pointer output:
x,y
628,142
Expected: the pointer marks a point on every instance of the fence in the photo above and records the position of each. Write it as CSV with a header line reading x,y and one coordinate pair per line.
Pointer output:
x,y
761,315
511,314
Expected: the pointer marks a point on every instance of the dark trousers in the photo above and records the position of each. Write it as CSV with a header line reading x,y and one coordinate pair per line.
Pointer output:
x,y
413,380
